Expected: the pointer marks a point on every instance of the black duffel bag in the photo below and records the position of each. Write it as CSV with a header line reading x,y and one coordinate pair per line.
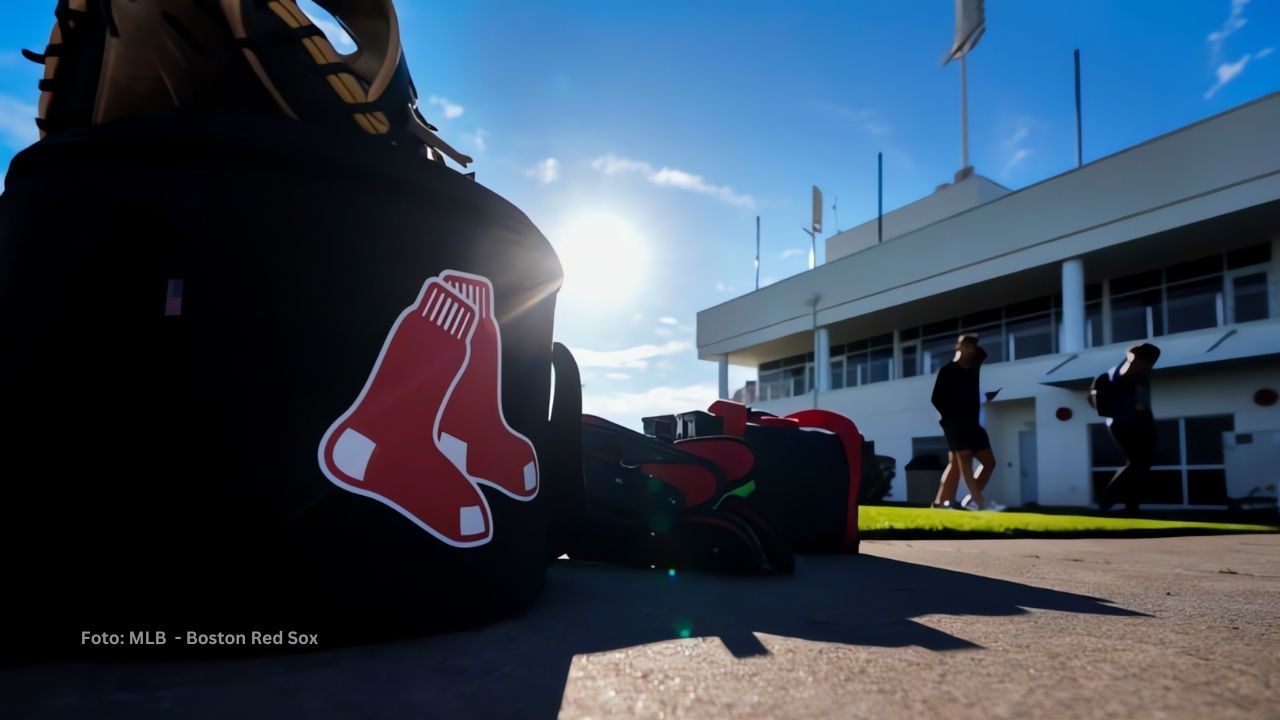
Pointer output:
x,y
236,357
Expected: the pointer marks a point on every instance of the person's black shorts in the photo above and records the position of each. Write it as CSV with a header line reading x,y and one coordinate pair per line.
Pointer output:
x,y
966,436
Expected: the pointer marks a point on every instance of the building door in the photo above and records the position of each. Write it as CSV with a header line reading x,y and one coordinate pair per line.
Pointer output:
x,y
1027,466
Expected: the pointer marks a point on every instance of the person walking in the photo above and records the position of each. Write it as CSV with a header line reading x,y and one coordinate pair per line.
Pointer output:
x,y
981,446
1123,396
956,398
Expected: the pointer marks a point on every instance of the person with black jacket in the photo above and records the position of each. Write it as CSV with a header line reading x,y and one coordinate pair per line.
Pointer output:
x,y
1123,396
956,397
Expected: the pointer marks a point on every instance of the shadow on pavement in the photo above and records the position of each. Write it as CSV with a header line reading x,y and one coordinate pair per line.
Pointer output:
x,y
519,668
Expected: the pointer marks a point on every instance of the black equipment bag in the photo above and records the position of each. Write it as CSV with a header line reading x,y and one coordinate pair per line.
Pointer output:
x,y
247,362
807,473
649,503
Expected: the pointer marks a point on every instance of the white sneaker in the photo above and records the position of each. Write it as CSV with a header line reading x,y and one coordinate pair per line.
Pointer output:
x,y
994,506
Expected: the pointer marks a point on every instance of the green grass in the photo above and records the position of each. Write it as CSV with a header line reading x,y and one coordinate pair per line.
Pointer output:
x,y
880,523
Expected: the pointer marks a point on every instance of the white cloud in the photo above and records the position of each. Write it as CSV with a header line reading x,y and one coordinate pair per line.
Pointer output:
x,y
612,164
545,172
668,320
664,332
1016,159
637,357
721,287
1226,73
478,138
1235,20
451,110
793,252
1263,53
338,37
670,177
866,119
627,408
1018,136
617,376
17,123
637,317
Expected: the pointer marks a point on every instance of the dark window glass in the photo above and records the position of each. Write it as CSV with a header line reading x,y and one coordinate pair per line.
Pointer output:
x,y
1030,337
1093,323
986,317
836,351
856,370
1168,446
951,327
837,374
1129,316
768,377
1197,268
910,361
1207,487
1093,291
881,341
1204,438
1250,293
909,333
1029,307
770,365
1164,488
1103,450
1131,283
1194,305
1252,255
880,364
808,357
856,346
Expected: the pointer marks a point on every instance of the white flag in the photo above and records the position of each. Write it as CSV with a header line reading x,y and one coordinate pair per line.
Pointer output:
x,y
971,22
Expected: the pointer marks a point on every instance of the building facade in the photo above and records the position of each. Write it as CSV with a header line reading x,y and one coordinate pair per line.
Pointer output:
x,y
1175,241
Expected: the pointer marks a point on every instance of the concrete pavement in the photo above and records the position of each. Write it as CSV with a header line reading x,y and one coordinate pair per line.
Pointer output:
x,y
1171,628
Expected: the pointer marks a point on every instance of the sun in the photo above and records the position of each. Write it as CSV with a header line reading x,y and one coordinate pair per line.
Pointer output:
x,y
605,260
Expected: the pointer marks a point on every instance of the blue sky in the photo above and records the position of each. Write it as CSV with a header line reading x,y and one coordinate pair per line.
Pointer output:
x,y
643,138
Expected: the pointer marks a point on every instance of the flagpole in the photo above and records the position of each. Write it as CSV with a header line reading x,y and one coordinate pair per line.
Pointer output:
x,y
964,114
1079,135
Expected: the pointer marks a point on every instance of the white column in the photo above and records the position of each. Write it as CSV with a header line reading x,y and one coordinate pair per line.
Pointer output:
x,y
1072,306
724,377
822,359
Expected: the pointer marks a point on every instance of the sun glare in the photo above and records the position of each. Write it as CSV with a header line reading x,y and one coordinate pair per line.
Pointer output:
x,y
605,259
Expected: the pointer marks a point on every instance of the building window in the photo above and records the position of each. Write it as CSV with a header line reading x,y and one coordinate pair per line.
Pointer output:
x,y
786,378
864,361
911,360
1189,465
1030,337
1195,305
1249,297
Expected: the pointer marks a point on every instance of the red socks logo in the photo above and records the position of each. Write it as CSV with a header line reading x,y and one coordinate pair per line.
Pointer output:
x,y
428,425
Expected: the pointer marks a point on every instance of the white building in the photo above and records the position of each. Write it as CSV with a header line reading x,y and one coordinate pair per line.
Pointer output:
x,y
1176,240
